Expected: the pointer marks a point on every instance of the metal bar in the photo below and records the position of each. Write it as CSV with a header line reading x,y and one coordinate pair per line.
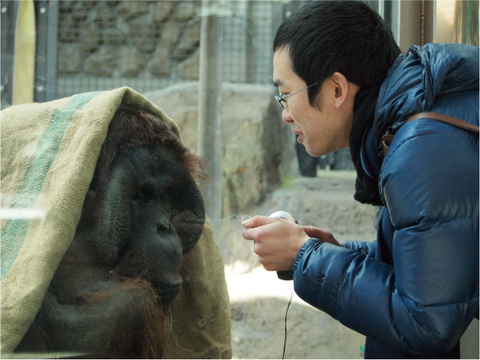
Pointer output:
x,y
9,14
51,78
41,50
209,110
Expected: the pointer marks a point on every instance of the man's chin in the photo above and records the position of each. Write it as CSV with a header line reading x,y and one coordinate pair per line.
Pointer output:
x,y
313,152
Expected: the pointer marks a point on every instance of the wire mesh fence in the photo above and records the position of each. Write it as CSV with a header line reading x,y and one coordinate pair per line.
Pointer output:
x,y
149,45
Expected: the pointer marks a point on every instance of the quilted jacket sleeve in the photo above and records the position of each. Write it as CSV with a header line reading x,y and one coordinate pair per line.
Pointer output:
x,y
424,300
367,248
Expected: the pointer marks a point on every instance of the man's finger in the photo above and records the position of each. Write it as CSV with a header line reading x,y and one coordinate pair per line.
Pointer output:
x,y
255,221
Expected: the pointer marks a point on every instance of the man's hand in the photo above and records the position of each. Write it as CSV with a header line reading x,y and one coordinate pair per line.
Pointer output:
x,y
320,234
276,241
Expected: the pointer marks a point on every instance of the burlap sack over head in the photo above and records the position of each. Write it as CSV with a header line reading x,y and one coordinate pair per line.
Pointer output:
x,y
48,157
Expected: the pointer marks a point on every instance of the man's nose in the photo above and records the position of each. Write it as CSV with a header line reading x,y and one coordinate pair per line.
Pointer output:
x,y
286,116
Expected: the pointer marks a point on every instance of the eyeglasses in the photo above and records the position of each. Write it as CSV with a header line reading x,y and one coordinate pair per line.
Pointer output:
x,y
281,98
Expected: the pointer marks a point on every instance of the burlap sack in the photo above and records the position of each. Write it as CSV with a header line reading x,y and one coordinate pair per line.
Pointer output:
x,y
48,157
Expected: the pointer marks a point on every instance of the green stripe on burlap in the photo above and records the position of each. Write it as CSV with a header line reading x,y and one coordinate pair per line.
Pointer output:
x,y
15,230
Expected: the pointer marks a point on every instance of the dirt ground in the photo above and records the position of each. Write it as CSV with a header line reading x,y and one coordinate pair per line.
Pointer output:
x,y
259,299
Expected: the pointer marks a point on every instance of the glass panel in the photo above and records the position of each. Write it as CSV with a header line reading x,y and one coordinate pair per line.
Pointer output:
x,y
456,22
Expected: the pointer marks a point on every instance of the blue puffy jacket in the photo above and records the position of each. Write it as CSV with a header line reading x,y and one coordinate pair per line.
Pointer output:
x,y
415,290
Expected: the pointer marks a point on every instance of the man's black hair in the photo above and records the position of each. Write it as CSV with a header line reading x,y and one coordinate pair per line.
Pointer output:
x,y
345,36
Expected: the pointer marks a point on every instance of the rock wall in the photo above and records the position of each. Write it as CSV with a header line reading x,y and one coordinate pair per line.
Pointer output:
x,y
258,148
129,38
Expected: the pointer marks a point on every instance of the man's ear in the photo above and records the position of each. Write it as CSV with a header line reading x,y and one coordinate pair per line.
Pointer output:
x,y
342,89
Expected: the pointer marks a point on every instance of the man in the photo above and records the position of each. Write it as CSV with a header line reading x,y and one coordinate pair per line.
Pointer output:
x,y
343,82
